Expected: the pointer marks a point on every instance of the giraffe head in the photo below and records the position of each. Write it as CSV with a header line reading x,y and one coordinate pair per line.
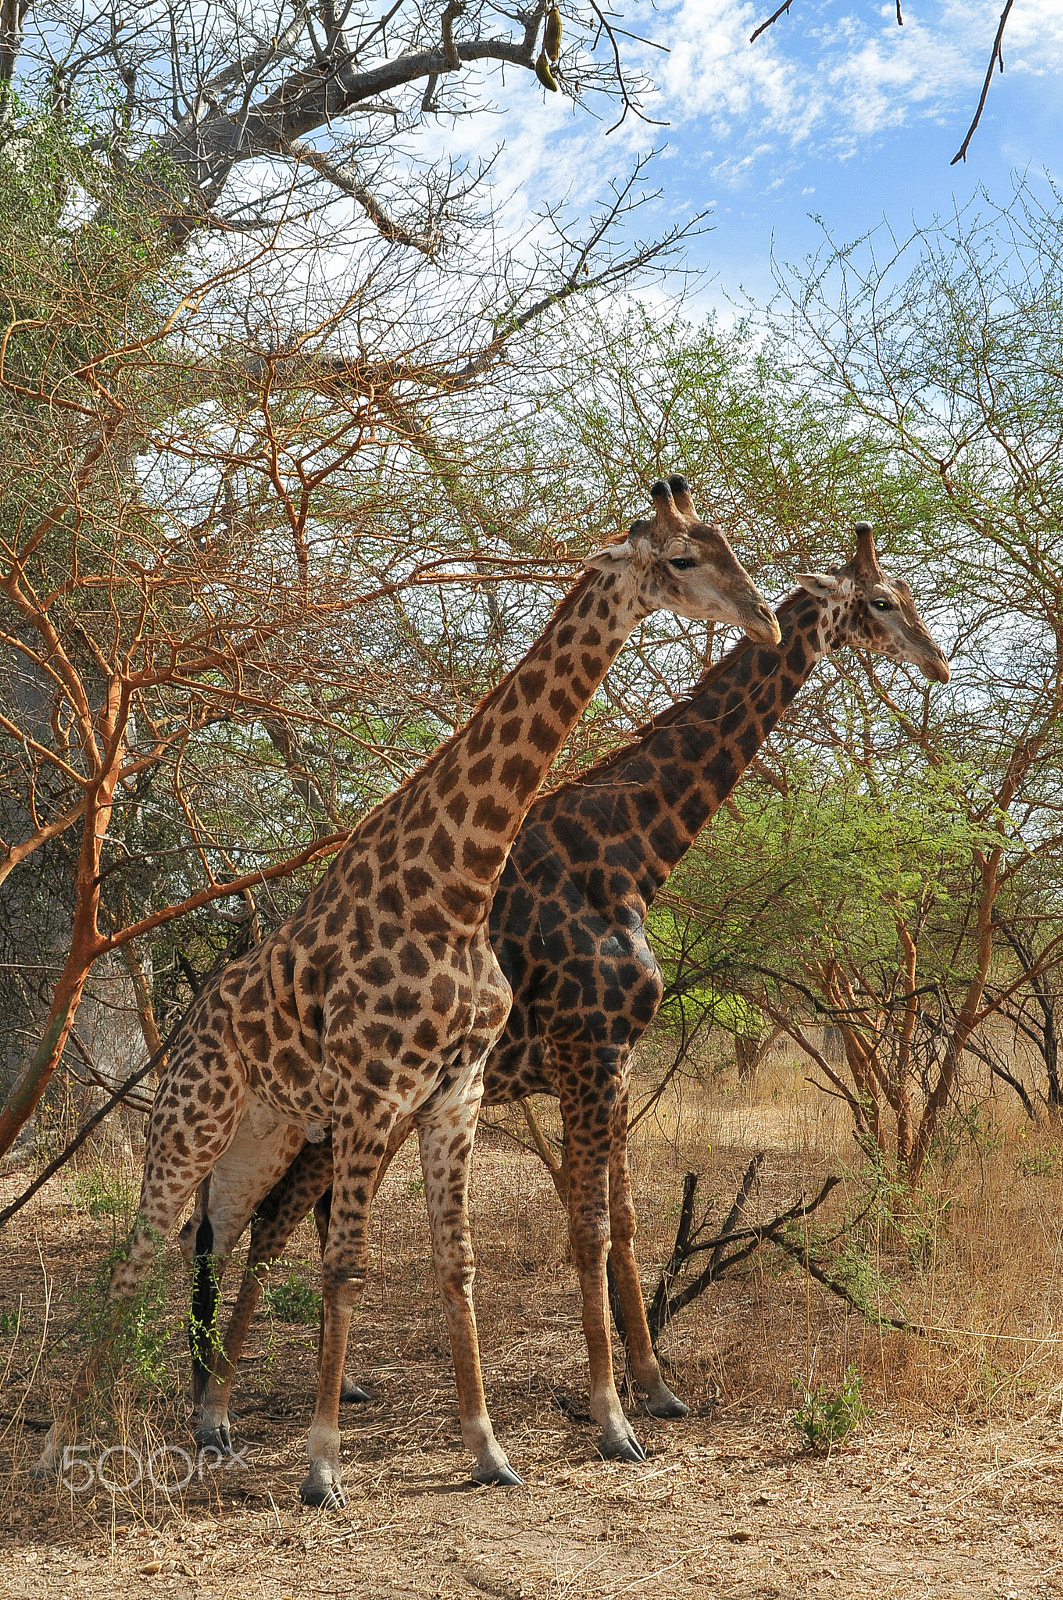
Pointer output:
x,y
877,612
679,563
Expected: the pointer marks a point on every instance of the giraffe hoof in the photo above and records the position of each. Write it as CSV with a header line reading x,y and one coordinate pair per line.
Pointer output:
x,y
215,1436
351,1393
626,1449
667,1405
321,1488
499,1477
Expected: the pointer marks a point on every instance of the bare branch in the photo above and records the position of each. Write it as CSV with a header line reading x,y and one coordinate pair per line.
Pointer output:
x,y
755,35
347,178
996,55
664,1304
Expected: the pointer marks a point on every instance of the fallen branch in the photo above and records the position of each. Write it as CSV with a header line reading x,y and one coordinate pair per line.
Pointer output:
x,y
801,1253
691,1241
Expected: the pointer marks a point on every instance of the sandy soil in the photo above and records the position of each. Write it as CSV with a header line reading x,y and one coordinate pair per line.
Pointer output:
x,y
721,1509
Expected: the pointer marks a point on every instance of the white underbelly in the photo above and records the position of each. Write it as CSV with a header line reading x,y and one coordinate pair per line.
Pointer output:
x,y
261,1151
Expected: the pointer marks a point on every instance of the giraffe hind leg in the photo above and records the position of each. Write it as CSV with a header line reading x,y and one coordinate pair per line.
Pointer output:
x,y
204,1308
660,1401
180,1154
587,1135
276,1219
351,1393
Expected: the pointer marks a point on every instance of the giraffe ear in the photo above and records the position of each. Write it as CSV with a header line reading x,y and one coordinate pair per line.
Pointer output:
x,y
821,584
610,558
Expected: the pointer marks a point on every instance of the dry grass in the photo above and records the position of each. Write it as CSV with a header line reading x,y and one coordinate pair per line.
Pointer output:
x,y
950,1489
977,1255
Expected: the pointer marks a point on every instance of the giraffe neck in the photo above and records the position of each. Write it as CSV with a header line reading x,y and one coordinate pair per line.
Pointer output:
x,y
453,822
644,805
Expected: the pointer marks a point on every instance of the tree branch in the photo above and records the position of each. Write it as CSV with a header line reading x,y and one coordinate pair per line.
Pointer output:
x,y
996,55
755,35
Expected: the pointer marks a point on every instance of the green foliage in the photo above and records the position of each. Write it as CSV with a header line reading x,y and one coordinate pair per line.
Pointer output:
x,y
897,1219
823,870
293,1300
137,1337
686,1004
824,1419
887,1222
85,275
104,1192
969,1127
1045,1162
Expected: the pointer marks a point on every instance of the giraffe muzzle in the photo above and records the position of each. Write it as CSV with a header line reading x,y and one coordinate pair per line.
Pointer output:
x,y
763,624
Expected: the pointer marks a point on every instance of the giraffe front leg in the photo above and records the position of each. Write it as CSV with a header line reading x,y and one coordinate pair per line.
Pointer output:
x,y
356,1161
446,1147
323,1485
660,1401
587,1135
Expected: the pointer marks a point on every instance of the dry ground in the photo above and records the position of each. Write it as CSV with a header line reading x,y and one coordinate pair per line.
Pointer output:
x,y
951,1488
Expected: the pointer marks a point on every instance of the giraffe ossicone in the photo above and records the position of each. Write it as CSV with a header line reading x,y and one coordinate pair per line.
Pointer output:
x,y
375,1005
568,928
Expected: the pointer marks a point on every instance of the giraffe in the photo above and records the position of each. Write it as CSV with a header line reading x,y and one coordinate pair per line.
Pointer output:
x,y
568,928
376,1003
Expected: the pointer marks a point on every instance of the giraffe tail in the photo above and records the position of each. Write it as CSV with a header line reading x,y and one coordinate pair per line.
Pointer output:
x,y
202,1319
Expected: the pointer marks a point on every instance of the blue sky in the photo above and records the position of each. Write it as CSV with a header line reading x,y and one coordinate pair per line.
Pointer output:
x,y
853,118
835,111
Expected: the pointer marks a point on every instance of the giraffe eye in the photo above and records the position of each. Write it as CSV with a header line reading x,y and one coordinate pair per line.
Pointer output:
x,y
882,605
681,563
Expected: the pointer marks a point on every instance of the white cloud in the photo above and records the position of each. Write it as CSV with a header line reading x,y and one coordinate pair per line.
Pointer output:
x,y
825,80
1033,39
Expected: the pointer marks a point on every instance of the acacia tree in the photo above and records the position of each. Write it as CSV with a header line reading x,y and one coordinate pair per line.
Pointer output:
x,y
947,347
199,498
1028,922
268,107
922,395
129,629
